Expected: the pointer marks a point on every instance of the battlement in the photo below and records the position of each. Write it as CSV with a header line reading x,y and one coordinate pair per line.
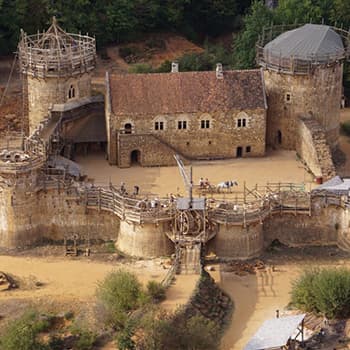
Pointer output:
x,y
20,154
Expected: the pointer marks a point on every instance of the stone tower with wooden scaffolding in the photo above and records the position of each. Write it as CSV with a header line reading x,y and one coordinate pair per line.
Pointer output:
x,y
57,68
303,67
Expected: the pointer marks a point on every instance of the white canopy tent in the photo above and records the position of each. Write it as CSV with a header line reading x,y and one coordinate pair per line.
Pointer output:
x,y
276,332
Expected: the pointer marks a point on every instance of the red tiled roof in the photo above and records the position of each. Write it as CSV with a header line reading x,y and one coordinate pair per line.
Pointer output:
x,y
186,92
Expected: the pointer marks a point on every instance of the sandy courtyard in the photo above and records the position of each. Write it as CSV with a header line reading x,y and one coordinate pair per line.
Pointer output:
x,y
277,166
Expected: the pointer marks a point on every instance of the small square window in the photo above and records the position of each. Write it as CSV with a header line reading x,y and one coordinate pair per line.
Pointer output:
x,y
288,97
248,149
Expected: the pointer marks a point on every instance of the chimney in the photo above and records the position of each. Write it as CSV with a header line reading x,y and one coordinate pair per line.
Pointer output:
x,y
174,67
219,71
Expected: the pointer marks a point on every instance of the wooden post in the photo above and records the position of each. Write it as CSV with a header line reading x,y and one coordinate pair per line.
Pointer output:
x,y
99,199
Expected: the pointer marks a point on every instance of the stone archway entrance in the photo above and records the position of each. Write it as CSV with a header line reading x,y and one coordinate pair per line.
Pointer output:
x,y
135,157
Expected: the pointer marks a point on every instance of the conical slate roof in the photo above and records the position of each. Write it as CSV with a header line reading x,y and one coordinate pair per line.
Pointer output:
x,y
312,42
55,38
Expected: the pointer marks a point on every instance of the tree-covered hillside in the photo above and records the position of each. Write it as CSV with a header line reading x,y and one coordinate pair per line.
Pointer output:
x,y
120,20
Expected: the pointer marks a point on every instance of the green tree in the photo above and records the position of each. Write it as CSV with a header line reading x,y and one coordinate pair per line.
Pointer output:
x,y
302,11
324,291
119,293
244,46
341,13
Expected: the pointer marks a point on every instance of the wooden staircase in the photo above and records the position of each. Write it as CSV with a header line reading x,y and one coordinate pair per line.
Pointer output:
x,y
190,258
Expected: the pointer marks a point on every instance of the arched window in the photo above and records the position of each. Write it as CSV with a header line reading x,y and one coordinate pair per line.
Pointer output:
x,y
242,120
127,128
71,92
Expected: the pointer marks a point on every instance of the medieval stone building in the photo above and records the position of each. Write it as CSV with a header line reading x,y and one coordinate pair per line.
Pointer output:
x,y
303,76
200,115
57,67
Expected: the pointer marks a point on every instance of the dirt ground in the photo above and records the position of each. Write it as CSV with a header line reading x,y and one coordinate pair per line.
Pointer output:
x,y
257,297
277,166
63,283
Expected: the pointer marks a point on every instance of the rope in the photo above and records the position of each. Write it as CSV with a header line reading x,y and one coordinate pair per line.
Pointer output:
x,y
8,80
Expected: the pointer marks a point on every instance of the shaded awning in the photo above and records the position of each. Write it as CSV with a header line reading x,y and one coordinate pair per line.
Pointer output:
x,y
335,185
275,333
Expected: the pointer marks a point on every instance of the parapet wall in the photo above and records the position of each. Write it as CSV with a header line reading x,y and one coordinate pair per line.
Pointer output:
x,y
49,216
313,148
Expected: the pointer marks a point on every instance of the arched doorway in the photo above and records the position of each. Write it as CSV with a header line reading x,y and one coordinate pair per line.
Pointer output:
x,y
279,137
135,157
127,128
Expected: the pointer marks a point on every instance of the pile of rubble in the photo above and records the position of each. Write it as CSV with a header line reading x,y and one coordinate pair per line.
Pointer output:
x,y
241,268
6,282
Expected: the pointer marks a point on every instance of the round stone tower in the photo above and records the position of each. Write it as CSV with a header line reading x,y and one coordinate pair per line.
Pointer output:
x,y
303,70
20,162
58,68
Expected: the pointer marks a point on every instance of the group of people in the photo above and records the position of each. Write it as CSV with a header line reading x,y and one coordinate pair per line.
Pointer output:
x,y
124,192
204,183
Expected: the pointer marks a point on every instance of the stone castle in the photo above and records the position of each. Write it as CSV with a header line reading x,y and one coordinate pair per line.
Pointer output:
x,y
292,102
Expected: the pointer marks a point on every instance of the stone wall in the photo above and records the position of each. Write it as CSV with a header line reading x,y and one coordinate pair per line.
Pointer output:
x,y
151,150
145,240
221,140
313,149
49,216
302,230
236,241
292,96
42,94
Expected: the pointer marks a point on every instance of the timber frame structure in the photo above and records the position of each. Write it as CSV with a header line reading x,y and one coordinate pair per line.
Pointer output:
x,y
55,53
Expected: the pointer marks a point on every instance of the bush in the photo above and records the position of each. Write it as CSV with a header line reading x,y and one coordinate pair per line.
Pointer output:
x,y
162,331
155,291
165,67
119,293
325,291
141,68
22,333
345,128
156,43
86,338
110,247
126,51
